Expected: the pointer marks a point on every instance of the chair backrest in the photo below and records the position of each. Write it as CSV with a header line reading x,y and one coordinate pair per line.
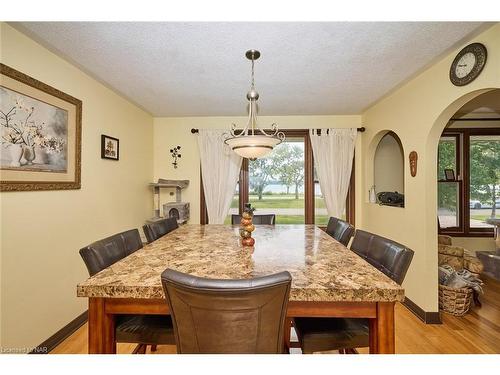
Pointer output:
x,y
257,219
386,255
103,253
160,228
227,316
341,230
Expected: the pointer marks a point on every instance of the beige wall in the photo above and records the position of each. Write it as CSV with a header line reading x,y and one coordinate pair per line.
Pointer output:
x,y
170,132
389,166
43,231
418,112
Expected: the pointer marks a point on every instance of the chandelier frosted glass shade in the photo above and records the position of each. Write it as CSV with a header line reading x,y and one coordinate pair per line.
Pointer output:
x,y
251,142
253,146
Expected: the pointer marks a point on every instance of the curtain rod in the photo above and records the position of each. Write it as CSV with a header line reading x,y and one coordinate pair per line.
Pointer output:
x,y
361,130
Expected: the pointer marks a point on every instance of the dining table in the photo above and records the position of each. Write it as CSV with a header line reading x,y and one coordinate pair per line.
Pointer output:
x,y
328,279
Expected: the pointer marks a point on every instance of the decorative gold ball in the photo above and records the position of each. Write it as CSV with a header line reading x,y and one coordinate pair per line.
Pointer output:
x,y
248,241
249,228
245,222
246,215
244,233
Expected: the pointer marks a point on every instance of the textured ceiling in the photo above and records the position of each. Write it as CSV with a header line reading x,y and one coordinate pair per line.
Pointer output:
x,y
199,69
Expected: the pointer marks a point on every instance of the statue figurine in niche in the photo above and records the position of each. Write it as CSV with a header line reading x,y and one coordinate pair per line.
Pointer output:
x,y
175,154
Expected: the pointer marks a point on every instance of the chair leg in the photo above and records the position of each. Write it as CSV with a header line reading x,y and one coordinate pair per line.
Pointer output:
x,y
351,351
153,348
140,349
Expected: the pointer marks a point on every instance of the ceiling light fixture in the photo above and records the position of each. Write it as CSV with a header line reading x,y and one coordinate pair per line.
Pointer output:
x,y
252,142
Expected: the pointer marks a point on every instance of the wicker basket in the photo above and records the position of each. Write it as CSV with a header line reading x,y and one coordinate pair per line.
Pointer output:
x,y
454,301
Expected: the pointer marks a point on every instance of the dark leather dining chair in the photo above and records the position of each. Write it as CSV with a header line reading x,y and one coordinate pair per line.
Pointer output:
x,y
160,228
345,334
140,329
269,219
103,253
387,256
227,316
341,230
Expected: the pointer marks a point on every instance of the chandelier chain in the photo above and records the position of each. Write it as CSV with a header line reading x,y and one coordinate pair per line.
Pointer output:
x,y
253,82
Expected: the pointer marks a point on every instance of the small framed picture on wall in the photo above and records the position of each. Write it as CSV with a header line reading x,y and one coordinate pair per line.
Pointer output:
x,y
110,147
449,175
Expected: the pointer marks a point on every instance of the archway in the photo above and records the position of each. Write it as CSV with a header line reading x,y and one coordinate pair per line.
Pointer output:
x,y
431,153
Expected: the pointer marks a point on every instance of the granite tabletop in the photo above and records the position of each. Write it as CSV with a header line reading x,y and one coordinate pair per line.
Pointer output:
x,y
322,269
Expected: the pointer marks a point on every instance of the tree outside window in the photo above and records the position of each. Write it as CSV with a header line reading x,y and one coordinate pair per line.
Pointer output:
x,y
477,186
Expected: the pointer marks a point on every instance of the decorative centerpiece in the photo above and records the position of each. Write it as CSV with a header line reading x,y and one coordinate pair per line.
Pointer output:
x,y
246,226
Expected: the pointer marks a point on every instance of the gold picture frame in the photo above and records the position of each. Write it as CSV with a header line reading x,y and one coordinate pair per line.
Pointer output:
x,y
40,132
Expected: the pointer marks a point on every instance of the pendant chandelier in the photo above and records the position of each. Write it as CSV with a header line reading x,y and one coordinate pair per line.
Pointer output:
x,y
252,142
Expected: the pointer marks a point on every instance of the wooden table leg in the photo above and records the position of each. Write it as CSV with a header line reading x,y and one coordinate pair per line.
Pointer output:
x,y
101,328
382,338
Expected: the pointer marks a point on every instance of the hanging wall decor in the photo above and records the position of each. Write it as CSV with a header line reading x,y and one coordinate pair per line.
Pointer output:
x,y
110,147
413,163
175,155
40,133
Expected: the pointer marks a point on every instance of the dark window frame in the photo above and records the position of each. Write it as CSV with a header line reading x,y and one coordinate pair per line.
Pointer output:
x,y
462,178
309,214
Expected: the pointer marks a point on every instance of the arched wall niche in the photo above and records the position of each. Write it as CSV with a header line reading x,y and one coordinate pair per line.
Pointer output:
x,y
388,171
385,163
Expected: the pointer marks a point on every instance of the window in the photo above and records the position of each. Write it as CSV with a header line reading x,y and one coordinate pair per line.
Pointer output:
x,y
285,184
484,176
448,204
277,182
449,192
473,196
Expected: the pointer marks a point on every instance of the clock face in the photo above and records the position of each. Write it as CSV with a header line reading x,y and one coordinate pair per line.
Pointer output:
x,y
465,65
468,64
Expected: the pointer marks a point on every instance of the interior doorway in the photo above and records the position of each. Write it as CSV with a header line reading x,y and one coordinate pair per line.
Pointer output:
x,y
469,169
468,199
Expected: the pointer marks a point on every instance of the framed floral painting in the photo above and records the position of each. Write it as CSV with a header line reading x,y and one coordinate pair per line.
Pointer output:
x,y
40,133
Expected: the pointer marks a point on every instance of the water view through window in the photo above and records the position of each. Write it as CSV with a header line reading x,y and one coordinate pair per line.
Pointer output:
x,y
276,186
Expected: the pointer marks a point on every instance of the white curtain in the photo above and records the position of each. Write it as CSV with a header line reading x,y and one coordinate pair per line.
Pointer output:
x,y
333,152
220,170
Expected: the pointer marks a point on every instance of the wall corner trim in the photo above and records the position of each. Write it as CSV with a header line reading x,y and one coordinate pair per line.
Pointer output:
x,y
428,317
48,345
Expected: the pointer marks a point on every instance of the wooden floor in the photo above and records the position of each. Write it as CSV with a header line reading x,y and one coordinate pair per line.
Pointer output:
x,y
476,332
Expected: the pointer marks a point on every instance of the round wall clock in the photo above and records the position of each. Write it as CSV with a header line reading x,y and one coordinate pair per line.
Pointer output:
x,y
468,64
